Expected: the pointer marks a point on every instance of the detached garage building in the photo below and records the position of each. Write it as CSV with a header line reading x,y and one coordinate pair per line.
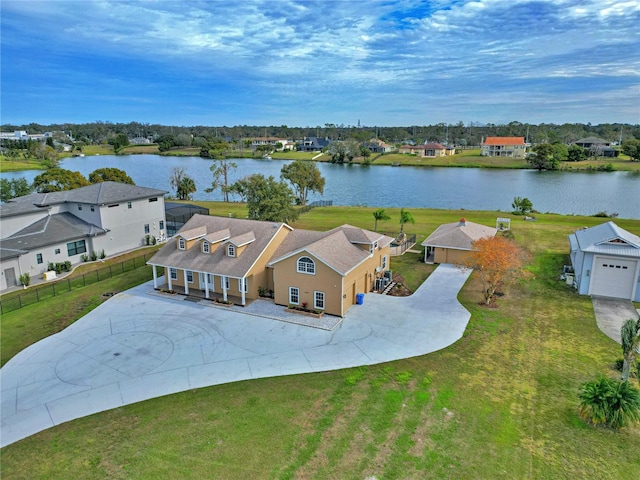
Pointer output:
x,y
606,261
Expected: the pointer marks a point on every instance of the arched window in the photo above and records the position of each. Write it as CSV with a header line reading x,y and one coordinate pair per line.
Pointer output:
x,y
306,265
231,250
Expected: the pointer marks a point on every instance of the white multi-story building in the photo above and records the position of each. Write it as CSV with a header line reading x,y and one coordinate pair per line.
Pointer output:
x,y
62,226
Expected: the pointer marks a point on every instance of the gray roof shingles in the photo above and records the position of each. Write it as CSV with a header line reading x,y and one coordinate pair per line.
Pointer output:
x,y
458,235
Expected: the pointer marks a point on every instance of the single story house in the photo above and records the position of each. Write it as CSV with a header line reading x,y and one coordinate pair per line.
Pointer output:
x,y
598,146
424,150
503,147
239,259
56,227
451,242
606,261
375,145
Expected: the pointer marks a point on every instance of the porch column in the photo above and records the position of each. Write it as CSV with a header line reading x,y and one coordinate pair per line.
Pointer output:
x,y
167,272
186,283
242,284
224,288
155,276
206,285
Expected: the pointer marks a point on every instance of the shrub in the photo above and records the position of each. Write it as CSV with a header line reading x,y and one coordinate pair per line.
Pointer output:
x,y
94,256
25,279
609,402
147,238
153,240
102,254
51,266
84,257
67,266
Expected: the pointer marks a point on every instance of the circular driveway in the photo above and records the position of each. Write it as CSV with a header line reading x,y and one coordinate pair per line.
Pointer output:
x,y
138,345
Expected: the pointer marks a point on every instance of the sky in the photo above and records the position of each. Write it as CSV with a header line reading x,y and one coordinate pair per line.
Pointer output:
x,y
308,63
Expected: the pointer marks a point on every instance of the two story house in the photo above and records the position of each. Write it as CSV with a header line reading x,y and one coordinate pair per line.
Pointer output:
x,y
62,226
504,147
238,259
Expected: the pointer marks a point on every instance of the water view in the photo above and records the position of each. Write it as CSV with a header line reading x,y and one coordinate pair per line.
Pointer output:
x,y
411,187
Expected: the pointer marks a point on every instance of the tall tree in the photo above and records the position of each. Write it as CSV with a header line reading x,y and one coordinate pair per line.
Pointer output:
x,y
379,215
576,153
220,170
305,177
186,188
405,217
632,148
176,176
58,179
267,199
16,187
630,336
108,174
544,157
498,261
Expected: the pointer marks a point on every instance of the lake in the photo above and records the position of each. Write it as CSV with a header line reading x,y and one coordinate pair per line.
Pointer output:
x,y
409,187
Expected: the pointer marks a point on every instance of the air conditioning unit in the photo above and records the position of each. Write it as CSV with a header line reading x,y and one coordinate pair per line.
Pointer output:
x,y
388,275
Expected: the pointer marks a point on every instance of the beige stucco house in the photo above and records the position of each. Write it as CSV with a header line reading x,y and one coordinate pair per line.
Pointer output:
x,y
504,147
237,260
451,242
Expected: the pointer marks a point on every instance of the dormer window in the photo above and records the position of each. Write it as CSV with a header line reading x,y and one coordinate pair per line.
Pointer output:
x,y
231,250
182,244
306,265
205,247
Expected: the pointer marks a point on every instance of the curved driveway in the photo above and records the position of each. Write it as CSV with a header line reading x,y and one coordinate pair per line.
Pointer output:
x,y
137,346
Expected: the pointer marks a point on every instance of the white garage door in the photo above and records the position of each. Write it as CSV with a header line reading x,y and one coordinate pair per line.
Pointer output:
x,y
613,277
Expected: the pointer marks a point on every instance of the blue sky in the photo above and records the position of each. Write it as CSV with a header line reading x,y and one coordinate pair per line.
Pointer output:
x,y
307,63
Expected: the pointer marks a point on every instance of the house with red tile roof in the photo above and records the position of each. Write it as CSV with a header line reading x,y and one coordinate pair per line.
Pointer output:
x,y
504,147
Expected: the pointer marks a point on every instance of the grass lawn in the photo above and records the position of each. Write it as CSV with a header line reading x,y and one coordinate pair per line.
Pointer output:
x,y
14,165
510,386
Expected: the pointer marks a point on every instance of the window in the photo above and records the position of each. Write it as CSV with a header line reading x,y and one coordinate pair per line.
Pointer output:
x,y
174,273
318,300
294,295
384,262
205,247
306,265
39,258
128,204
79,207
182,244
146,228
161,224
224,283
57,251
76,248
246,285
189,276
93,208
231,250
153,199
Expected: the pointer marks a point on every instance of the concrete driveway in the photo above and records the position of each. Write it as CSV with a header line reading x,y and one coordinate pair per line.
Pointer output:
x,y
611,313
137,346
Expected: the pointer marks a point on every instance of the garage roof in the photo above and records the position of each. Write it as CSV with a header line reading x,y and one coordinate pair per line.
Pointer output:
x,y
607,238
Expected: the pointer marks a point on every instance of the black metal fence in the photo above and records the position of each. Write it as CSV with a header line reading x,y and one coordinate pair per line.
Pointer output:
x,y
14,301
319,203
400,244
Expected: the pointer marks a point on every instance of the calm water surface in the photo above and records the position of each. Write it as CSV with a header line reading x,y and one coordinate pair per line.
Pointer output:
x,y
417,187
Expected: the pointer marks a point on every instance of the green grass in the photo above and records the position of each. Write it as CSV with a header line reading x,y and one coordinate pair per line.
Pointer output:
x,y
14,165
510,385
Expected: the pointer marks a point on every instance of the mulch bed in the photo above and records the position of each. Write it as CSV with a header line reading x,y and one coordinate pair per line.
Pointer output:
x,y
399,290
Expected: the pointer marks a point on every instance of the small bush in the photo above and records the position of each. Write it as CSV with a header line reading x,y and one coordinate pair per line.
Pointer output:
x,y
51,266
153,240
66,266
94,256
25,279
102,254
147,239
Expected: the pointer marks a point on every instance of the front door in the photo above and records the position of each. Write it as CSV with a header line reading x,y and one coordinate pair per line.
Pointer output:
x,y
10,276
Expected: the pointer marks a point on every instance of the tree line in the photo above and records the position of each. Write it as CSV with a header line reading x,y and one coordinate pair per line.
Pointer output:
x,y
460,133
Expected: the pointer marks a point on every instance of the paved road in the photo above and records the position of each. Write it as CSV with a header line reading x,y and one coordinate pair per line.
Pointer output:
x,y
137,346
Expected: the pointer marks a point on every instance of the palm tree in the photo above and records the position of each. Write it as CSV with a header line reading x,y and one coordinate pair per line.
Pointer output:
x,y
405,217
609,402
379,215
630,335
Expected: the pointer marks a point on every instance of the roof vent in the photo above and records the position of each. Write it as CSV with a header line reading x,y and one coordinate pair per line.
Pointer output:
x,y
463,222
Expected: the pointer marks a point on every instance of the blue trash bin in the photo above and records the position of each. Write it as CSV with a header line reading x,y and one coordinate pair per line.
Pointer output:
x,y
360,298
